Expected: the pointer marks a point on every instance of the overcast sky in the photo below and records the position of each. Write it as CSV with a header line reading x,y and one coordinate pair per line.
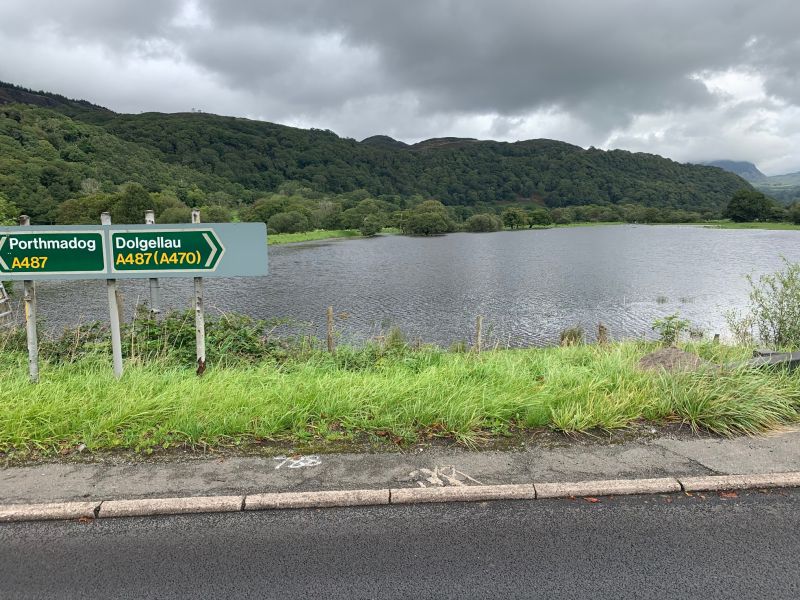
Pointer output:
x,y
693,80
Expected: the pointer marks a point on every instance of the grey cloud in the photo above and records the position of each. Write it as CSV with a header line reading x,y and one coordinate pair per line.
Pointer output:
x,y
421,68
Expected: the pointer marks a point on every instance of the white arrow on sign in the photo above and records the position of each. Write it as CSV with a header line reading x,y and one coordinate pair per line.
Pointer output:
x,y
2,262
213,250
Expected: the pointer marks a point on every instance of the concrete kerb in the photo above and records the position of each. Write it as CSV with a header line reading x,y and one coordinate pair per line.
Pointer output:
x,y
170,506
326,499
609,487
49,512
346,498
714,483
475,493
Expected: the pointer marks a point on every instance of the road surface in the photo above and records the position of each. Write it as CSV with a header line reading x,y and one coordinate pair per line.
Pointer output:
x,y
675,546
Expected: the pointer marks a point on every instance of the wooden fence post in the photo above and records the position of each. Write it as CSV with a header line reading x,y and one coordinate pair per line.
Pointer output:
x,y
331,345
602,334
478,333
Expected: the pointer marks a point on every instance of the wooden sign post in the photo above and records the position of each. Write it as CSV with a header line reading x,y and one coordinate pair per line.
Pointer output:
x,y
113,252
155,287
29,295
199,314
114,313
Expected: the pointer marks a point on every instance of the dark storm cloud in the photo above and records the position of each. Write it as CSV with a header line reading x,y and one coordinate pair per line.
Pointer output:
x,y
600,58
582,70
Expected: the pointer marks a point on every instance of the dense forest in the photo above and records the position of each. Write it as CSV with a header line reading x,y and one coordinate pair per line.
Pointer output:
x,y
62,159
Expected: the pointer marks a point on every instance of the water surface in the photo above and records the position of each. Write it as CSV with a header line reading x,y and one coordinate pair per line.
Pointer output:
x,y
529,285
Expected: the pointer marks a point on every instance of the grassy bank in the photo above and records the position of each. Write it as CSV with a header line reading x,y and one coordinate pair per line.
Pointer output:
x,y
753,225
402,395
310,236
319,234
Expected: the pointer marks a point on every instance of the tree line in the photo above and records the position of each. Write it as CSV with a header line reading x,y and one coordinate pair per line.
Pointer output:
x,y
68,169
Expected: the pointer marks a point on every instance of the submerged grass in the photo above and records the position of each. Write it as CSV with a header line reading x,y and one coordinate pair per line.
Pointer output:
x,y
750,225
406,395
318,234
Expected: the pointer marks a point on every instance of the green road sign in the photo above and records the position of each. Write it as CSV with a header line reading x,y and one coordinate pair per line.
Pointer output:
x,y
52,252
56,252
157,250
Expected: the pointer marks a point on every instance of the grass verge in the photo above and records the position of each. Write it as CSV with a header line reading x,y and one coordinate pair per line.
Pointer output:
x,y
319,234
405,395
752,225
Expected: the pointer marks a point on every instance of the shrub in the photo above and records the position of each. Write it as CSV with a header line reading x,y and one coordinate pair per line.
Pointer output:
x,y
774,312
176,214
371,225
288,222
539,217
670,328
793,213
482,223
215,214
395,339
573,336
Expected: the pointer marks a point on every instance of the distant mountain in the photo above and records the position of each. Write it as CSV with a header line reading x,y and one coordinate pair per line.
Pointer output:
x,y
383,141
49,151
745,170
786,180
11,94
785,188
443,142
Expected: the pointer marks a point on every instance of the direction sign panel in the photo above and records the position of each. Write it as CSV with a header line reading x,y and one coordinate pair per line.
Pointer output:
x,y
133,251
156,250
53,252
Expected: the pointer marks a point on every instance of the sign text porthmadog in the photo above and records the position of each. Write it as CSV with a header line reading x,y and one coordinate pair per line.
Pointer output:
x,y
133,251
23,252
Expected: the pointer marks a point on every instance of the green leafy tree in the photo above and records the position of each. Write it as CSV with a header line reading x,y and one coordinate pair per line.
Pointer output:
x,y
539,217
85,210
483,222
514,217
131,204
176,214
265,208
750,205
215,214
793,213
427,218
371,225
8,212
353,218
428,223
288,222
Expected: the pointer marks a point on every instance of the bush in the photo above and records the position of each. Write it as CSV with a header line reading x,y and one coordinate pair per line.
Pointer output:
x,y
176,214
427,218
670,328
539,217
482,223
215,214
572,336
793,213
750,205
429,223
774,312
288,222
230,339
371,225
514,218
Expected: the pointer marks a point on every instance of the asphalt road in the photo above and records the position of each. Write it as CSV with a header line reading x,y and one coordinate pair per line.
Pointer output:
x,y
650,547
